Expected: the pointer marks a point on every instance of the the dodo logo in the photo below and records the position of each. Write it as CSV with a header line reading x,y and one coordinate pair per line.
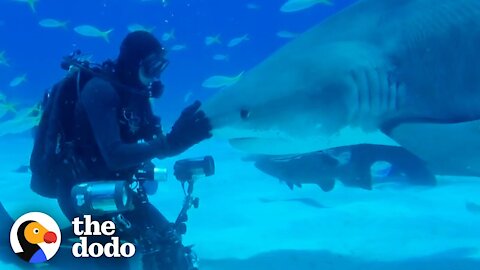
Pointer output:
x,y
35,237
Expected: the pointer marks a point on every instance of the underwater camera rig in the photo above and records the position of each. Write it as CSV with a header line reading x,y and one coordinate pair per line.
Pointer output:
x,y
116,197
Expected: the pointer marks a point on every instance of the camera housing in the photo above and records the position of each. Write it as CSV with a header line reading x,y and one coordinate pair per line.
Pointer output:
x,y
186,170
116,196
102,197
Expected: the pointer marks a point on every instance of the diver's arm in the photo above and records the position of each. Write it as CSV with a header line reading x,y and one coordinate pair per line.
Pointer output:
x,y
153,128
100,102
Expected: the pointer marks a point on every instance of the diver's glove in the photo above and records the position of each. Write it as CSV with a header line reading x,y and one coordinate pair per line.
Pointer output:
x,y
190,128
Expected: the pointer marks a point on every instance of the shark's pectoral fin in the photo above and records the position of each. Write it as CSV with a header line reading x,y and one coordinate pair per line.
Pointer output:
x,y
447,148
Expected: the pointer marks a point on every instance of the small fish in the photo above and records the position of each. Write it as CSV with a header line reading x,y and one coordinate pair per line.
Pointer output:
x,y
3,59
6,108
178,47
92,31
219,81
235,41
164,2
473,208
25,120
31,3
252,6
168,35
22,169
297,5
220,57
53,23
286,34
210,40
187,96
138,27
18,80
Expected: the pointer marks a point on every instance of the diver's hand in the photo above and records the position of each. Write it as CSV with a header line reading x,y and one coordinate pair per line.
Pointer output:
x,y
190,128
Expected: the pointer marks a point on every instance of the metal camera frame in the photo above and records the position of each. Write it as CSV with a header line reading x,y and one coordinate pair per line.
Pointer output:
x,y
150,242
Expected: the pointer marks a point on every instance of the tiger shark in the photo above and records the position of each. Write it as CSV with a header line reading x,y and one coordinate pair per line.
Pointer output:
x,y
402,73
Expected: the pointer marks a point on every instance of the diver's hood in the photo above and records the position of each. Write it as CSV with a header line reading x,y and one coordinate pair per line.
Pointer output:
x,y
135,47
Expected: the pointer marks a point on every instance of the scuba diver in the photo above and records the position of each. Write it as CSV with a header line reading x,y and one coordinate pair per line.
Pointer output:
x,y
113,135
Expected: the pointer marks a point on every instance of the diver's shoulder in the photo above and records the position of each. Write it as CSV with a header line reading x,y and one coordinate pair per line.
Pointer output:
x,y
100,88
97,82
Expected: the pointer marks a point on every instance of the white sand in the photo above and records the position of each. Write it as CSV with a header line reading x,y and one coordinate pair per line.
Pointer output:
x,y
232,222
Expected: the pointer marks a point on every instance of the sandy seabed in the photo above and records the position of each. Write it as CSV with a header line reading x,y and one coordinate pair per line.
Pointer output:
x,y
249,220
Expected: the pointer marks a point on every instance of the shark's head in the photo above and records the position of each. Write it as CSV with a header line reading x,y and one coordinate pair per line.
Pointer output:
x,y
293,103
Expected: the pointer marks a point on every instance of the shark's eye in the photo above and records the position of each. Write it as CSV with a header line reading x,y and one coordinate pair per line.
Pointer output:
x,y
244,114
36,231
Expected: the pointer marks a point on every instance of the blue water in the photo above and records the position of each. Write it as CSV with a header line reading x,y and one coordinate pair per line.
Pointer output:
x,y
386,228
31,48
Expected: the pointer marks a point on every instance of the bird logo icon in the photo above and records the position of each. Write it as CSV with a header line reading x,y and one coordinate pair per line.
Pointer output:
x,y
35,237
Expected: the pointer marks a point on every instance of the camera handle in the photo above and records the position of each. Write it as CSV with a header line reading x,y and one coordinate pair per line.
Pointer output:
x,y
188,202
146,236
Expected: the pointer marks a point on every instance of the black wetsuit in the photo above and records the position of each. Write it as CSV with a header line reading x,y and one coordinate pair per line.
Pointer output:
x,y
109,122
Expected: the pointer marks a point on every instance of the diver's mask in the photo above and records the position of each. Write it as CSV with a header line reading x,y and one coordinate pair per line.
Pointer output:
x,y
154,65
